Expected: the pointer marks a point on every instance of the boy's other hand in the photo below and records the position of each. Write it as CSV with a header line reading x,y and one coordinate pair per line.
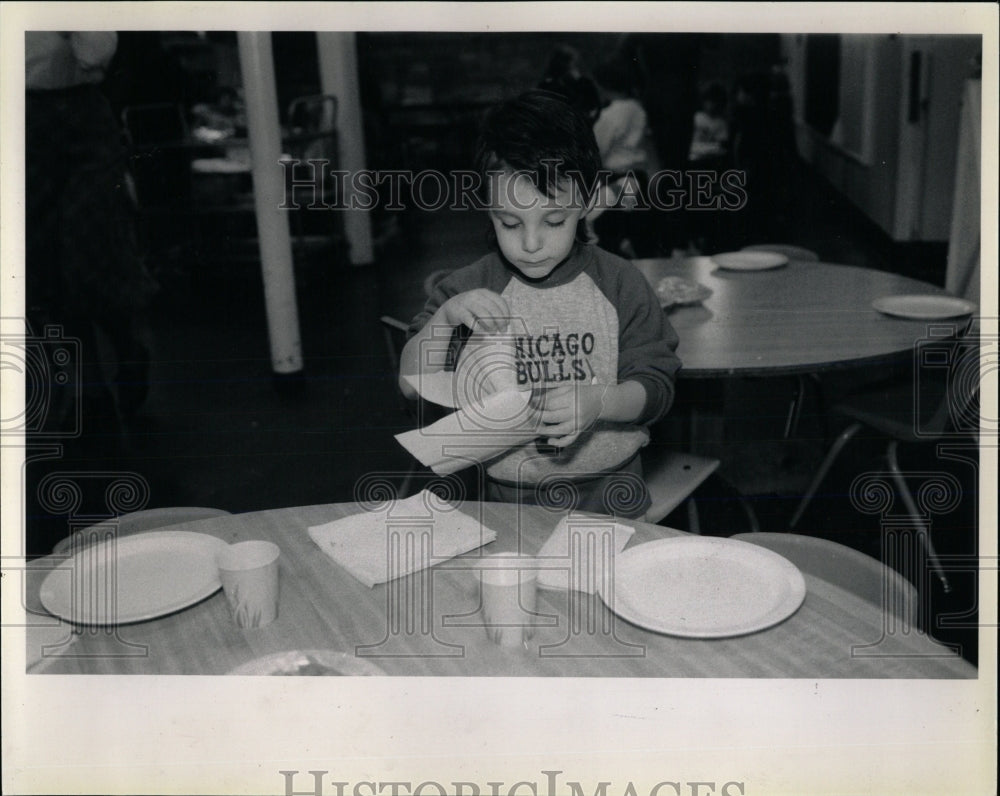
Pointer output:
x,y
481,310
568,411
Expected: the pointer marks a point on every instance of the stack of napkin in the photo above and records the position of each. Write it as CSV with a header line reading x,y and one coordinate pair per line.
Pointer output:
x,y
494,411
580,553
408,536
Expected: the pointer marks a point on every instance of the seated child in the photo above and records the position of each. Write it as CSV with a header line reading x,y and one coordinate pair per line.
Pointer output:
x,y
626,152
710,139
590,339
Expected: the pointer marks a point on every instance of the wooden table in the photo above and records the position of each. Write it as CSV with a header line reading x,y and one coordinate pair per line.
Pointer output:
x,y
805,317
323,606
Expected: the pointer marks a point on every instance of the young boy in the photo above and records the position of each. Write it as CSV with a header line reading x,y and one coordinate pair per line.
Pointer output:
x,y
589,337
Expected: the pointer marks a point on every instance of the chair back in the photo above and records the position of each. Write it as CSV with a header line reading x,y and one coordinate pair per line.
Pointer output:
x,y
316,113
956,359
314,116
394,335
671,476
842,566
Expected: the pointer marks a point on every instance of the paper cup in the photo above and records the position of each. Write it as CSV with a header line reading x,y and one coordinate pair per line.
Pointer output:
x,y
249,575
510,585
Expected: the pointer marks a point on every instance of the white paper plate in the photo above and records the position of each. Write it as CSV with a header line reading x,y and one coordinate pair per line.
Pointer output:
x,y
140,577
749,261
704,587
309,662
924,307
790,251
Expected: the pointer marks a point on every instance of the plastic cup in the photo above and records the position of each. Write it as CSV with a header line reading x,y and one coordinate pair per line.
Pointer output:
x,y
249,575
510,586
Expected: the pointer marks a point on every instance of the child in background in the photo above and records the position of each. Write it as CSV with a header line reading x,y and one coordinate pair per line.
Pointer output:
x,y
622,139
589,336
710,139
566,76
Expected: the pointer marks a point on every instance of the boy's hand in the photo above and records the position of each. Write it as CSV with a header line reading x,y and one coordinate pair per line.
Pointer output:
x,y
481,310
568,411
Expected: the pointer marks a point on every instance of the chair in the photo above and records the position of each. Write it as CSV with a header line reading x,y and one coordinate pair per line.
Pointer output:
x,y
314,116
140,521
939,400
312,136
433,278
671,477
394,334
842,566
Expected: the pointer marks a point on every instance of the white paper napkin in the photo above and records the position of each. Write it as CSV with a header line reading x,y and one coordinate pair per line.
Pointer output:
x,y
579,555
409,535
437,387
473,434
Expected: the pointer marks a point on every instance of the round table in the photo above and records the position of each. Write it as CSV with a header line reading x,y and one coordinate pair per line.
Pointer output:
x,y
804,317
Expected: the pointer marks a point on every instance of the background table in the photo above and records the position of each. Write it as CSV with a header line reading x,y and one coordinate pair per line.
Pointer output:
x,y
804,317
322,606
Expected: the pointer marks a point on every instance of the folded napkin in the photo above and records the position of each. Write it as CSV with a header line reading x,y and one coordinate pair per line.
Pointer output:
x,y
475,433
410,535
488,365
437,387
579,555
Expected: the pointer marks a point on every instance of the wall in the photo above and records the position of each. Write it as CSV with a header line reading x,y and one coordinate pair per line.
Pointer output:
x,y
867,178
899,172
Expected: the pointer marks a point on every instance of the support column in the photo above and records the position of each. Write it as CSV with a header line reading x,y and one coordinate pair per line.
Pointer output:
x,y
338,74
257,65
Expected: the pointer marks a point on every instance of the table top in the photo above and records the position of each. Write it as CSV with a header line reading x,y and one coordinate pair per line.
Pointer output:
x,y
802,317
834,634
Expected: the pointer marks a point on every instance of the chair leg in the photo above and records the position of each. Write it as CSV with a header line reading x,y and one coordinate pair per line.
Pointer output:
x,y
694,524
824,468
795,408
911,507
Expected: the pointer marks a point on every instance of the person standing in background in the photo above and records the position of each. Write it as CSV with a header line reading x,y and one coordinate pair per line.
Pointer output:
x,y
622,138
83,269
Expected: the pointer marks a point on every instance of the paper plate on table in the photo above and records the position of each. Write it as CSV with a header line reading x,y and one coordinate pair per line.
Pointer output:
x,y
704,587
134,578
790,251
924,307
304,663
676,291
749,261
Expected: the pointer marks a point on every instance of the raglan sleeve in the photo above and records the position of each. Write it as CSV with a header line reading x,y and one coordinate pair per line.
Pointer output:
x,y
647,343
482,273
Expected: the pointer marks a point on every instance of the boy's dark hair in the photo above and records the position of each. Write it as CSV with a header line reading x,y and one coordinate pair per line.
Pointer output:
x,y
541,134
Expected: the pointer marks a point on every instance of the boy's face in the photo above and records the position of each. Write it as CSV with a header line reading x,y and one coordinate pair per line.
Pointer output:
x,y
535,232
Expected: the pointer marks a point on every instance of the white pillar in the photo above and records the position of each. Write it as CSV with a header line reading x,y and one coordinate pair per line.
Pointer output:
x,y
257,65
338,75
